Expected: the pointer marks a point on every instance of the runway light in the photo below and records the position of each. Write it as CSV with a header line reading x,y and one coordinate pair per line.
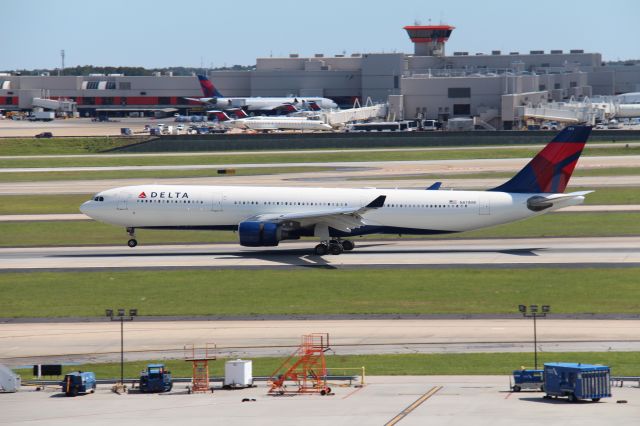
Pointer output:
x,y
133,312
108,312
522,308
546,308
534,308
120,312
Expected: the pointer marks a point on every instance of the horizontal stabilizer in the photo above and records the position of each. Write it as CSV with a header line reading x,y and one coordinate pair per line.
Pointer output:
x,y
539,202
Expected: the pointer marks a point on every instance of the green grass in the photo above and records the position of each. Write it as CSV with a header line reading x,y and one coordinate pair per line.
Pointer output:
x,y
233,292
149,174
612,171
621,363
62,145
74,233
296,157
611,195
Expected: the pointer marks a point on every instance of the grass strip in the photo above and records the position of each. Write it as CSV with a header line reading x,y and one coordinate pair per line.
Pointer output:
x,y
605,171
236,292
150,174
62,145
76,233
297,157
621,363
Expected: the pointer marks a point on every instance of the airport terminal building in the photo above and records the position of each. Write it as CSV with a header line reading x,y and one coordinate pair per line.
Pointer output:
x,y
426,84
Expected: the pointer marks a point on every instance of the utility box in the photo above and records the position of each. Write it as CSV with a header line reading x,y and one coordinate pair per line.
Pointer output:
x,y
9,381
238,373
577,381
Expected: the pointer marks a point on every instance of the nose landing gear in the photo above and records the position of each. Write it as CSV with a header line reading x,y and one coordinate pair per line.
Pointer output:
x,y
132,233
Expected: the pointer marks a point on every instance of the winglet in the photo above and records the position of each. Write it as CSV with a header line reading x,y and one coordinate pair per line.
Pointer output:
x,y
377,203
435,186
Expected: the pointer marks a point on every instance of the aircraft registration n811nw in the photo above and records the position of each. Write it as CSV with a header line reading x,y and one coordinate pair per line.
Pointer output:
x,y
264,216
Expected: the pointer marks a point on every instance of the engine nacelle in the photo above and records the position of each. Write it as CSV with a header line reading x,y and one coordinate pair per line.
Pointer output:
x,y
259,234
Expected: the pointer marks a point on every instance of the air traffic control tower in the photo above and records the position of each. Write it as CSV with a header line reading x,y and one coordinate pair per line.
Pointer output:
x,y
429,40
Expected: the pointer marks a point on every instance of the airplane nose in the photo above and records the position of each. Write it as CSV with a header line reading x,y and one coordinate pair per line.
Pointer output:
x,y
84,208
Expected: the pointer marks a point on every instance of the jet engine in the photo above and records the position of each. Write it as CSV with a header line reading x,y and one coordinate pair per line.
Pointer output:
x,y
262,234
259,234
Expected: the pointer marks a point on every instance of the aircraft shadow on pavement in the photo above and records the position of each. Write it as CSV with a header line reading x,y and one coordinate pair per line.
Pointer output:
x,y
302,257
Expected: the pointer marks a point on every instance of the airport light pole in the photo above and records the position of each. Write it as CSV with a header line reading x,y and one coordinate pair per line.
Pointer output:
x,y
120,316
534,313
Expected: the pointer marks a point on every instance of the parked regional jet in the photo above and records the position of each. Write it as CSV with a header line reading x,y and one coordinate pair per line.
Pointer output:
x,y
267,124
264,216
215,99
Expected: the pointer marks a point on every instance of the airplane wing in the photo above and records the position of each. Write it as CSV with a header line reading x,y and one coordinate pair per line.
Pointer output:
x,y
556,201
285,108
343,219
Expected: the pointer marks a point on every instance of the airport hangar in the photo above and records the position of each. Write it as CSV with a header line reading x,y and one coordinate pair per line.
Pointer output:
x,y
427,84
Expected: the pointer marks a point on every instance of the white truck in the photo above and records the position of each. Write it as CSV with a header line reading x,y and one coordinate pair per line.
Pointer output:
x,y
42,116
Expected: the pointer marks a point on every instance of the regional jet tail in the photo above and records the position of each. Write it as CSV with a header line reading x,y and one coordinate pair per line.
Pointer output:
x,y
264,216
275,105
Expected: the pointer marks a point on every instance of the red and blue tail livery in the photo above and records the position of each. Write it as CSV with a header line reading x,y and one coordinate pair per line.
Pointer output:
x,y
551,169
208,89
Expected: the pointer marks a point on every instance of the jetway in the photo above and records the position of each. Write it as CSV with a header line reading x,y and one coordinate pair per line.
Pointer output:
x,y
585,111
357,113
55,105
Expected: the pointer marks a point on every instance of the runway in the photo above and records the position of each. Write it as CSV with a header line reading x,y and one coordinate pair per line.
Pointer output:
x,y
98,341
493,253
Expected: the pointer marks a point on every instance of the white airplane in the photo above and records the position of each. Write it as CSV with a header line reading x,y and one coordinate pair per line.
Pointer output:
x,y
270,123
215,99
264,216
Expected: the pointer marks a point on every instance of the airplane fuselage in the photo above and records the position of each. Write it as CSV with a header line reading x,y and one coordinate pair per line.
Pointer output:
x,y
268,103
224,207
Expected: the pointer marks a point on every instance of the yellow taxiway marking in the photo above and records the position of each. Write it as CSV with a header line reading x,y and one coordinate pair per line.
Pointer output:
x,y
404,413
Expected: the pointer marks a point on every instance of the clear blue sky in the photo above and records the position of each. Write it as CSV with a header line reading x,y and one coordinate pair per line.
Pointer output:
x,y
159,33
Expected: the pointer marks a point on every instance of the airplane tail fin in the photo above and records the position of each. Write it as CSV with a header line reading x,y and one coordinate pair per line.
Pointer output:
x,y
238,113
313,106
219,115
551,169
208,89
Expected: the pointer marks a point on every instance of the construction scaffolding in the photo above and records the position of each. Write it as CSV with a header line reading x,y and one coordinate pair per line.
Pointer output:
x,y
200,357
306,368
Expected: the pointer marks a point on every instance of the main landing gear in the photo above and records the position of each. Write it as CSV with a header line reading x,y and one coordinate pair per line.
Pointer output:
x,y
132,233
334,247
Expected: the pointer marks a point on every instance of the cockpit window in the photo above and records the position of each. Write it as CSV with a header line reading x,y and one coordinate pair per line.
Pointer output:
x,y
98,198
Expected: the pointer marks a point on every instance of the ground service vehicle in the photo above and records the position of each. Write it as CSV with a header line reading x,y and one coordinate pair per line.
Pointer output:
x,y
45,135
42,116
78,382
155,379
527,379
577,381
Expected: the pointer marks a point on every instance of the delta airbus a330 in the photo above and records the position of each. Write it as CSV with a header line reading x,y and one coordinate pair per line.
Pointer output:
x,y
264,216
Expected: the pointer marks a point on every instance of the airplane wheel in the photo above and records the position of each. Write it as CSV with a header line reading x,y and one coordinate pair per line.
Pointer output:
x,y
132,242
335,249
320,249
348,245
